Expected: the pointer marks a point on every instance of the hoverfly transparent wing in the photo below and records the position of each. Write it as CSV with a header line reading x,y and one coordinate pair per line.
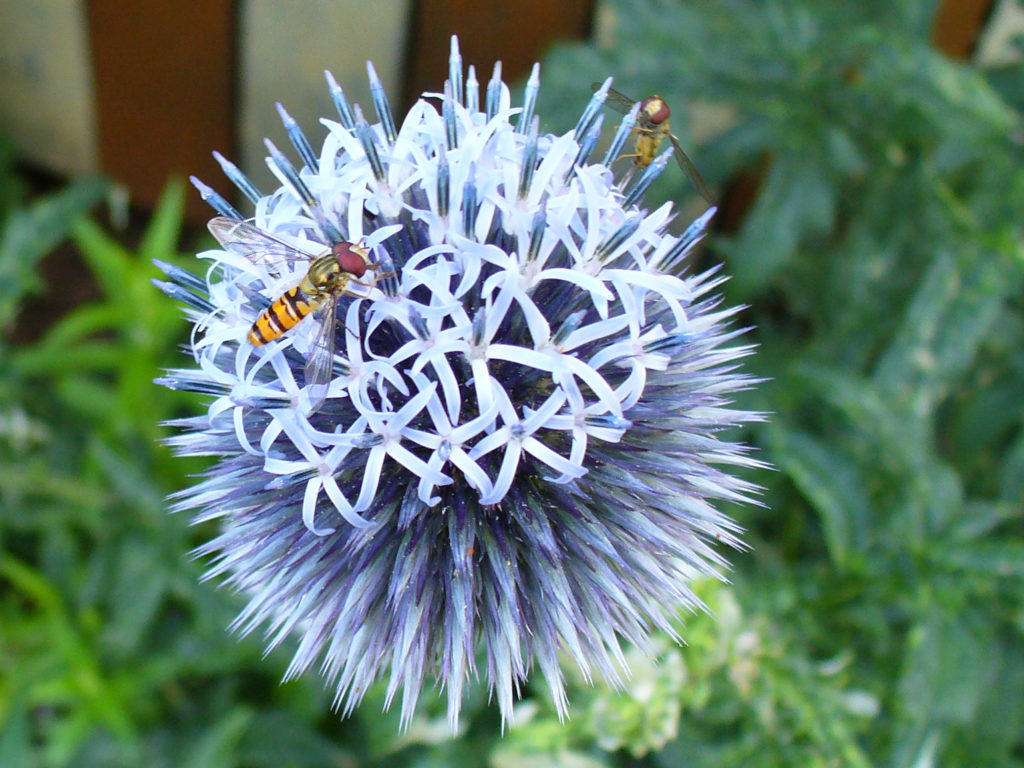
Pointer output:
x,y
319,367
690,169
259,247
616,100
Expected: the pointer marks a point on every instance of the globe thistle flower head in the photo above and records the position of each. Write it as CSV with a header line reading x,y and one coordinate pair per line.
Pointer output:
x,y
511,455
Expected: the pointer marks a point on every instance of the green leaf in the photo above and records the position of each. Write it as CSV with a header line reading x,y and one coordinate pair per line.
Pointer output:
x,y
31,234
137,587
109,262
16,750
1011,473
947,667
220,744
278,738
998,559
834,487
953,310
796,201
160,240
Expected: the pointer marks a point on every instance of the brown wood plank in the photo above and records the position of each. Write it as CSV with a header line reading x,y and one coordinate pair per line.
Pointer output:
x,y
164,74
516,32
958,26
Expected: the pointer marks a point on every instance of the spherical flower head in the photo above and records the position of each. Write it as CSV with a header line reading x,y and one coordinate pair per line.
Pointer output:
x,y
496,445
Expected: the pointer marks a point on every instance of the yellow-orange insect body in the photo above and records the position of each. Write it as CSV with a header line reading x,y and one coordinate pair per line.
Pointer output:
x,y
652,127
328,277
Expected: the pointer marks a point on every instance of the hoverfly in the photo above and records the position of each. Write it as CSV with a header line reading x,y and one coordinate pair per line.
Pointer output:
x,y
651,128
327,279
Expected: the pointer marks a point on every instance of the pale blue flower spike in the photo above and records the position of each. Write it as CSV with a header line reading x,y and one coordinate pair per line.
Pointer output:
x,y
455,71
694,233
277,160
443,183
298,140
239,179
181,276
494,92
330,231
345,114
529,100
380,103
419,325
290,176
177,381
608,421
537,227
388,280
586,148
592,110
214,200
469,203
478,330
451,129
570,325
366,137
472,91
626,126
185,296
651,172
529,161
618,237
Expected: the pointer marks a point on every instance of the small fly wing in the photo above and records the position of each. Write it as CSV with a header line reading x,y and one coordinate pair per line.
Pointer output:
x,y
616,100
320,360
690,169
259,247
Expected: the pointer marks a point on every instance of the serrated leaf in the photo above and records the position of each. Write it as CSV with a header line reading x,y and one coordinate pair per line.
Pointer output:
x,y
981,518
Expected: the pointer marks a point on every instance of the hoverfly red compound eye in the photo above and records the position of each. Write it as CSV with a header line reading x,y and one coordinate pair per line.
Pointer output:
x,y
656,109
350,258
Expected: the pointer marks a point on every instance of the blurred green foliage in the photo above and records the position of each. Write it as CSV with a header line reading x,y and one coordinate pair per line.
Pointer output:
x,y
882,264
876,621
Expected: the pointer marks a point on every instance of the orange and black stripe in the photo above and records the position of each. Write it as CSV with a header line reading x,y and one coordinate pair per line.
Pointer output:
x,y
281,316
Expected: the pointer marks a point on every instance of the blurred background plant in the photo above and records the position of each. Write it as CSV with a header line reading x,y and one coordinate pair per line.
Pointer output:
x,y
870,218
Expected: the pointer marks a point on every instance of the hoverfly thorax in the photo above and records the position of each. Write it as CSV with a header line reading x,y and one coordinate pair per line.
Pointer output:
x,y
325,274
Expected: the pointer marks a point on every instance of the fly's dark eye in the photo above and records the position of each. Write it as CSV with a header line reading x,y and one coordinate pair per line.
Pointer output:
x,y
350,260
656,109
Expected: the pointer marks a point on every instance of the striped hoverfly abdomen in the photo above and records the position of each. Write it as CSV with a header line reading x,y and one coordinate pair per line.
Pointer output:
x,y
328,278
